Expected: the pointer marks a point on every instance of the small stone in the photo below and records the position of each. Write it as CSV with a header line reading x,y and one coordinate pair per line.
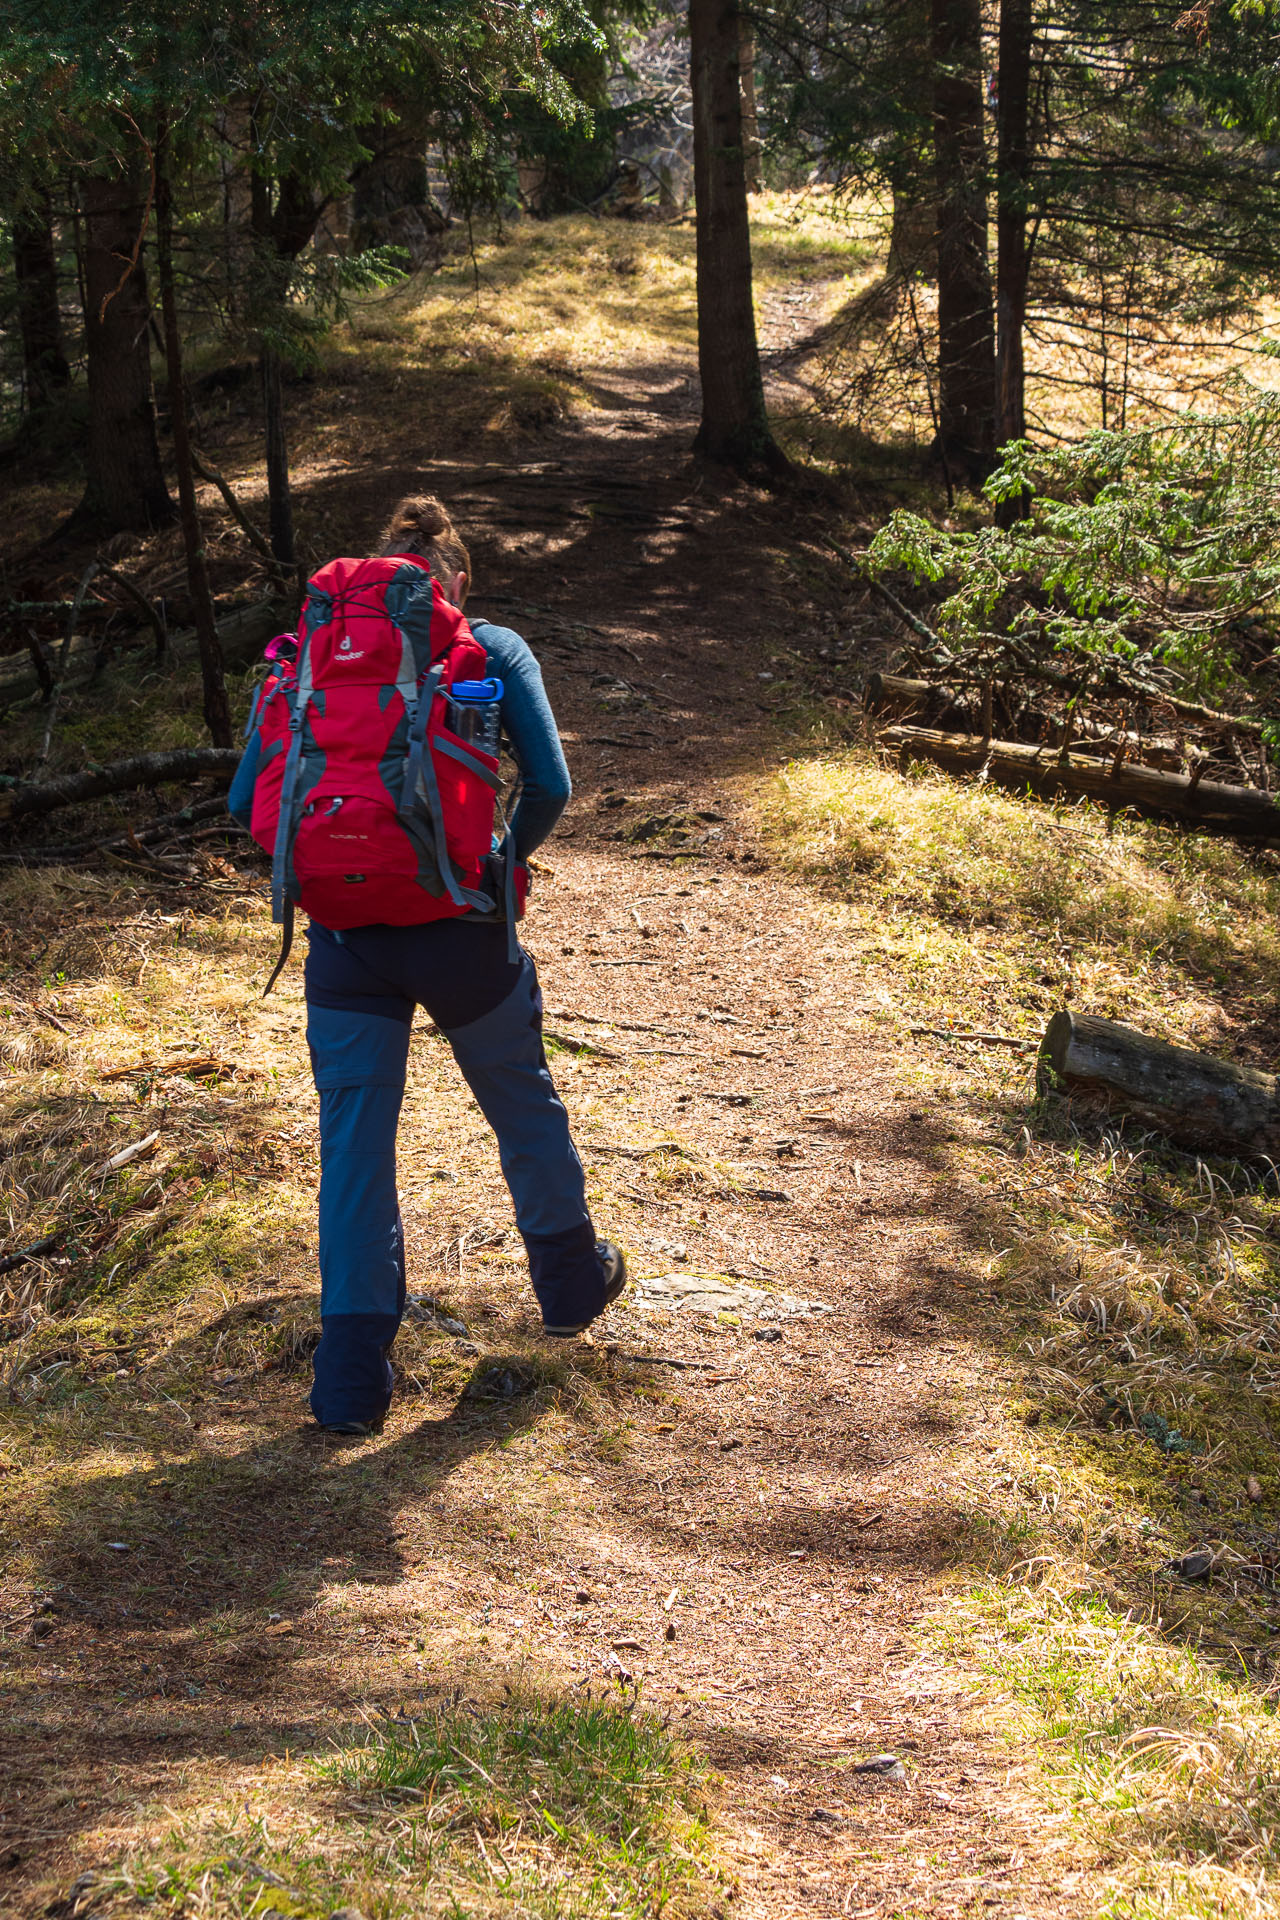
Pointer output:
x,y
825,1814
886,1766
729,1442
117,1546
671,1630
1253,1487
766,1333
346,1913
1193,1566
582,1598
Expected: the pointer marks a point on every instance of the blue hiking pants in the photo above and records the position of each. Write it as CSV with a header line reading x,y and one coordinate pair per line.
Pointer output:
x,y
362,987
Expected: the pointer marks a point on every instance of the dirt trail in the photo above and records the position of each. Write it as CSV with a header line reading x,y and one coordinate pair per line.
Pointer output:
x,y
800,1503
780,1506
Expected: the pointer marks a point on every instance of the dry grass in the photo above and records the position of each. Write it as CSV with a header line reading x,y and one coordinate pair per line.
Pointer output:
x,y
1133,1287
994,908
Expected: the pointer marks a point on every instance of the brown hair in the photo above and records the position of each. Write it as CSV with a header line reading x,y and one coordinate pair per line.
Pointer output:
x,y
421,525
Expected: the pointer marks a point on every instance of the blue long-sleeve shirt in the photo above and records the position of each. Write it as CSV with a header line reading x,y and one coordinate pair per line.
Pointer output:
x,y
528,723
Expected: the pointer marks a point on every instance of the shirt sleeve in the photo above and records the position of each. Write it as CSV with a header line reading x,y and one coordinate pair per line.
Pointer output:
x,y
530,726
240,798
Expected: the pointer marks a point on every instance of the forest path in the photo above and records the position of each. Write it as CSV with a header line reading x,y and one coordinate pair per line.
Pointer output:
x,y
754,1528
800,1496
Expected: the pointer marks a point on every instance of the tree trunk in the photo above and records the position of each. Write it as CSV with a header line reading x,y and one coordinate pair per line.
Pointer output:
x,y
1013,257
124,486
217,713
281,231
279,492
750,112
966,316
913,236
735,427
1245,813
46,371
1201,1102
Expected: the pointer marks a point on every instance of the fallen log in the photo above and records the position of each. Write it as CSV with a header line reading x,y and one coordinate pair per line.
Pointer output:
x,y
1198,1101
930,703
923,700
243,634
145,770
1246,813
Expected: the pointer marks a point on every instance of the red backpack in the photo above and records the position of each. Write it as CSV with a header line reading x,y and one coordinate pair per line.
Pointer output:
x,y
373,810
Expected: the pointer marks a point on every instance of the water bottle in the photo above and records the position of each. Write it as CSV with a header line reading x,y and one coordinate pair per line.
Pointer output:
x,y
476,713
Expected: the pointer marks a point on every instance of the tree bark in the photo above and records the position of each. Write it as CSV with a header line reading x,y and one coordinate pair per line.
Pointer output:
x,y
1195,1099
217,712
46,371
750,111
1245,813
966,314
146,770
1013,255
124,486
735,428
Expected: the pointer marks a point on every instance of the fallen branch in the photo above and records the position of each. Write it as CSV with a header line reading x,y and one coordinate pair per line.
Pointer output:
x,y
1110,676
256,539
150,612
242,633
987,1039
579,1046
891,600
145,770
138,1151
36,1251
169,825
63,657
1246,813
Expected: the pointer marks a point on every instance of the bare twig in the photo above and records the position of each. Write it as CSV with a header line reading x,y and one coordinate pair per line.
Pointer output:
x,y
257,540
987,1039
152,613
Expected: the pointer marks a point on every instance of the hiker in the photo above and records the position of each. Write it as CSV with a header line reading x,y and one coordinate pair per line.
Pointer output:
x,y
373,745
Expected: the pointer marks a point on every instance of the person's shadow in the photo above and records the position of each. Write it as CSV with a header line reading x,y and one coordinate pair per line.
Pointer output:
x,y
213,1540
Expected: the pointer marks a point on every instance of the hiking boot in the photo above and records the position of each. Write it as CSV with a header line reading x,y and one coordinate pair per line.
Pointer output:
x,y
614,1271
355,1429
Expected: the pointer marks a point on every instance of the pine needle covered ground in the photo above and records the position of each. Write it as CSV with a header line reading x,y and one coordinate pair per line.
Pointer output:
x,y
620,1629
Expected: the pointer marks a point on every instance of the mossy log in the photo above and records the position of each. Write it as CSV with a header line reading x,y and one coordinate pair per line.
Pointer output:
x,y
1246,813
242,633
1203,1103
31,802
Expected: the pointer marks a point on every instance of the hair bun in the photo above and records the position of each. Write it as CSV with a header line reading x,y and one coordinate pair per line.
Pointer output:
x,y
425,516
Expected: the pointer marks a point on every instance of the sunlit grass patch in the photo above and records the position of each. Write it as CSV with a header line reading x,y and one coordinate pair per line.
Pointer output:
x,y
1172,1765
534,1807
587,1805
1001,897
